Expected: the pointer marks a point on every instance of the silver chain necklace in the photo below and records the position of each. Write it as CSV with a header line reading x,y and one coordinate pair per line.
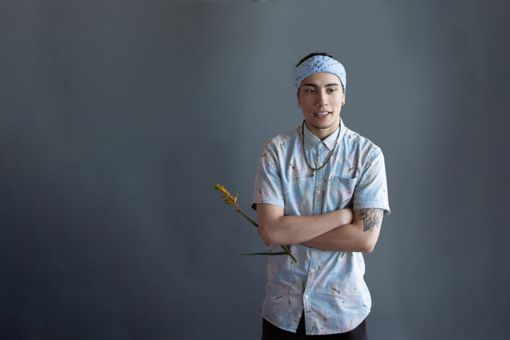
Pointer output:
x,y
304,153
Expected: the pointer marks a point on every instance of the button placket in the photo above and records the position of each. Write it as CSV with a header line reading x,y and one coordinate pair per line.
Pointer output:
x,y
309,284
318,185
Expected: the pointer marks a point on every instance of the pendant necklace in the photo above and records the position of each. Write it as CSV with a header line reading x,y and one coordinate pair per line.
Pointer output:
x,y
304,153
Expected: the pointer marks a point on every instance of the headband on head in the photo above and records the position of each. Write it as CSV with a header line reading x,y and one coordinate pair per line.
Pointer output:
x,y
319,63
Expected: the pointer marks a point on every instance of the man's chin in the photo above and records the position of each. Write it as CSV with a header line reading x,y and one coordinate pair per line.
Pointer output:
x,y
322,125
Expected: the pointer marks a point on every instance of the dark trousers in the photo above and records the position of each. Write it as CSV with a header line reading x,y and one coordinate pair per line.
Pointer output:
x,y
271,332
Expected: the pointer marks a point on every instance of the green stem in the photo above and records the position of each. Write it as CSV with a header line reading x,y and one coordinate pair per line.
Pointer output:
x,y
287,250
268,253
239,210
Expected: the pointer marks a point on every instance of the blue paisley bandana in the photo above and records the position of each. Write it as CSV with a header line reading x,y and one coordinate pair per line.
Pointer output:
x,y
318,64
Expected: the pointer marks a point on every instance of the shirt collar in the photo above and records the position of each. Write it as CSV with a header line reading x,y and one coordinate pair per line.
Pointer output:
x,y
312,140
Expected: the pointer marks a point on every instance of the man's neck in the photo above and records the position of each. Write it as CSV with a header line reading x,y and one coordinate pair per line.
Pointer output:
x,y
322,133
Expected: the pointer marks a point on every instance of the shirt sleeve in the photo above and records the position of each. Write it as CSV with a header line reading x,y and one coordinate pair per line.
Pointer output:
x,y
371,190
268,184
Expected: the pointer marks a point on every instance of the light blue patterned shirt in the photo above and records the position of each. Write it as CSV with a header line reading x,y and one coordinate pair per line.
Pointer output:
x,y
328,286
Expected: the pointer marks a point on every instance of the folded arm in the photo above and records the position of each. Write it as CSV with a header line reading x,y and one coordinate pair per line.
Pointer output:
x,y
360,235
275,228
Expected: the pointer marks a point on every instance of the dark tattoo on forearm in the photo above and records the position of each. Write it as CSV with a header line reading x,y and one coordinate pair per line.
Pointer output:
x,y
371,217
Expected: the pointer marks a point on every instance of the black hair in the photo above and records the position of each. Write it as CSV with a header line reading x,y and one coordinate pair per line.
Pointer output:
x,y
313,55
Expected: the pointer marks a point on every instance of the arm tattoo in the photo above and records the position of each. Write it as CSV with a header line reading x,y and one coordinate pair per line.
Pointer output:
x,y
371,217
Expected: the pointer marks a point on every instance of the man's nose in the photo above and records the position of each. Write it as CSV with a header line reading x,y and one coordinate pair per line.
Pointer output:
x,y
321,99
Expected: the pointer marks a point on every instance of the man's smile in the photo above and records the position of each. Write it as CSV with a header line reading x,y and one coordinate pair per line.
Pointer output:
x,y
322,114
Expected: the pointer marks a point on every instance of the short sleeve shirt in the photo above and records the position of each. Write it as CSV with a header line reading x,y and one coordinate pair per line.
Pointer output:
x,y
328,286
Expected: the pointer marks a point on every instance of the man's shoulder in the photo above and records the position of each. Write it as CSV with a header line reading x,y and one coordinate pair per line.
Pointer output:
x,y
282,140
357,141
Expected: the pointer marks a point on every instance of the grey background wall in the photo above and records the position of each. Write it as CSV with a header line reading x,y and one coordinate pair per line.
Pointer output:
x,y
117,117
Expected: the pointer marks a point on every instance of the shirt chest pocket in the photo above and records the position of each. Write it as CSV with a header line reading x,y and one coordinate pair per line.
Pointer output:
x,y
340,192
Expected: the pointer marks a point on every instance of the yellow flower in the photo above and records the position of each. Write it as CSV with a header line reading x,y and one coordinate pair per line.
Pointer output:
x,y
227,196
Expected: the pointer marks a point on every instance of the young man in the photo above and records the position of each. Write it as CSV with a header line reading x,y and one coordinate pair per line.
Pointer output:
x,y
320,188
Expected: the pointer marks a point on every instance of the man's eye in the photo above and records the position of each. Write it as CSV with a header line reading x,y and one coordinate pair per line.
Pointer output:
x,y
309,91
331,90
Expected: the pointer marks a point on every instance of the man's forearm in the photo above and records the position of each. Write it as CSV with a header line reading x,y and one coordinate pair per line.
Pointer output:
x,y
345,238
299,229
361,235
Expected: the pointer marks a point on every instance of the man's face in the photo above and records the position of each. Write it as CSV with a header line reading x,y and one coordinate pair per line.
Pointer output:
x,y
321,97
